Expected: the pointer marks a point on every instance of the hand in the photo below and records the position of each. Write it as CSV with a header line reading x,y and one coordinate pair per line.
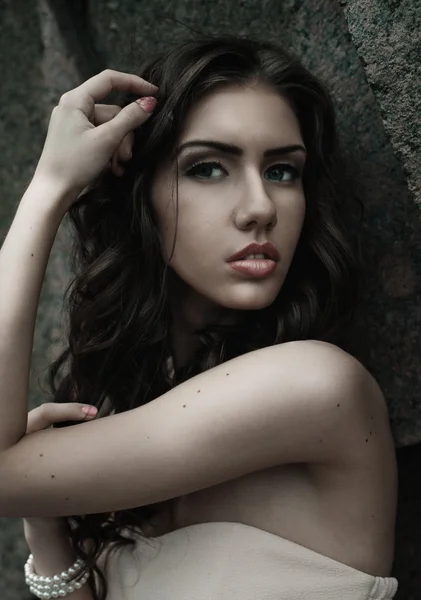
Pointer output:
x,y
104,113
43,417
47,414
83,137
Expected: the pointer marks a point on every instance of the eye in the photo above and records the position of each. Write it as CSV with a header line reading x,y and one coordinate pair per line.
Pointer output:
x,y
278,172
205,170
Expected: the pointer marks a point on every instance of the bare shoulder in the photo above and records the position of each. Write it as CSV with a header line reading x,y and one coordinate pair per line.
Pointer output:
x,y
337,392
331,372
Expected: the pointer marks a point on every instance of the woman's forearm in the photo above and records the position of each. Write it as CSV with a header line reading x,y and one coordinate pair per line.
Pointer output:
x,y
53,554
23,260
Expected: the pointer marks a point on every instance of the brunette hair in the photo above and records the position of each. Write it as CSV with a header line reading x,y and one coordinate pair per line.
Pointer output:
x,y
118,340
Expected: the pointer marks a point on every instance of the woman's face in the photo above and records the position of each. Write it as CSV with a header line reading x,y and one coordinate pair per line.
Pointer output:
x,y
236,186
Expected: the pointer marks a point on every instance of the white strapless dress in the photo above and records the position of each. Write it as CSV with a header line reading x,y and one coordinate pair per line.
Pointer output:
x,y
231,561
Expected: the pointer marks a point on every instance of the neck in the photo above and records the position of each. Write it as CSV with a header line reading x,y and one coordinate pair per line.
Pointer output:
x,y
190,313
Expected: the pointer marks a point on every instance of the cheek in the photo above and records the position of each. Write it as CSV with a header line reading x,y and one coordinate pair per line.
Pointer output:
x,y
190,228
199,222
197,236
290,223
164,205
167,230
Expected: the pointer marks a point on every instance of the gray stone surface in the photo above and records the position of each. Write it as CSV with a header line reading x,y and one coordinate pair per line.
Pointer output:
x,y
37,65
387,36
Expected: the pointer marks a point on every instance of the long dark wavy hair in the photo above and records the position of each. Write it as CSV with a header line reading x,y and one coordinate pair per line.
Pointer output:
x,y
119,319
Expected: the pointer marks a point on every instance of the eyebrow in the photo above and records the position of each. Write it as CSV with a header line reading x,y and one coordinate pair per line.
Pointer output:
x,y
237,151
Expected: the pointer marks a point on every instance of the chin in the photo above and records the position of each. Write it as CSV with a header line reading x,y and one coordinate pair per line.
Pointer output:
x,y
254,299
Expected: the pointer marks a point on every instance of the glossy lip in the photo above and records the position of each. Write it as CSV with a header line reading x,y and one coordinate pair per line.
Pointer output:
x,y
267,248
255,268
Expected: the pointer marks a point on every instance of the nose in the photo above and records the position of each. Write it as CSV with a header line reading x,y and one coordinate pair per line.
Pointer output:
x,y
255,209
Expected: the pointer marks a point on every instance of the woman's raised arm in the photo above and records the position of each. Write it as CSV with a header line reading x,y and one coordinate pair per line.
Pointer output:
x,y
74,154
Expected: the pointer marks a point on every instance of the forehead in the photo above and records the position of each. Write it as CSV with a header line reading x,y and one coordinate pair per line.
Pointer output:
x,y
243,115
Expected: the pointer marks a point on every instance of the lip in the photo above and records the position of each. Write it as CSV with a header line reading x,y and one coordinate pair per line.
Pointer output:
x,y
267,248
258,268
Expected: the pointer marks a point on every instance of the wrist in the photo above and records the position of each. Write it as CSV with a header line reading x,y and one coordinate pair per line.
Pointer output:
x,y
45,530
52,195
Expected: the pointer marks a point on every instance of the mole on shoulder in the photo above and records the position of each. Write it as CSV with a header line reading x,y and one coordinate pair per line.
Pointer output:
x,y
41,455
52,476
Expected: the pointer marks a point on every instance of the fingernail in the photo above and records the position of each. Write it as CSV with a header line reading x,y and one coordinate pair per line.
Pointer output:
x,y
90,410
148,103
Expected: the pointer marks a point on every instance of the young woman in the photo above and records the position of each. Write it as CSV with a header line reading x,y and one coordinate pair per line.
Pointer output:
x,y
242,453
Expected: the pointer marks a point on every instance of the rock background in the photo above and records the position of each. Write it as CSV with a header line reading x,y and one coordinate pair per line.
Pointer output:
x,y
370,58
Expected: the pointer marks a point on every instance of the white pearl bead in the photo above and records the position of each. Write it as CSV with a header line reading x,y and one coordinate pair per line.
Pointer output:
x,y
57,578
54,594
78,585
64,575
62,593
70,589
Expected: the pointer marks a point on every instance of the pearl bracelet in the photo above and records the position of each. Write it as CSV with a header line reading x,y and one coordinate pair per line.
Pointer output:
x,y
57,586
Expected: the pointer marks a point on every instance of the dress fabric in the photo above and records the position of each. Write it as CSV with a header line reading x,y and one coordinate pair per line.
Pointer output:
x,y
232,561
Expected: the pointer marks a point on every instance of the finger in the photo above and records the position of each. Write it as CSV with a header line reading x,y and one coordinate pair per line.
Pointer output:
x,y
129,118
99,86
121,156
116,167
45,415
125,150
104,113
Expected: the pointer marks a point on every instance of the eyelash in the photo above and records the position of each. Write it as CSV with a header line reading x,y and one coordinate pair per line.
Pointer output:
x,y
216,163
